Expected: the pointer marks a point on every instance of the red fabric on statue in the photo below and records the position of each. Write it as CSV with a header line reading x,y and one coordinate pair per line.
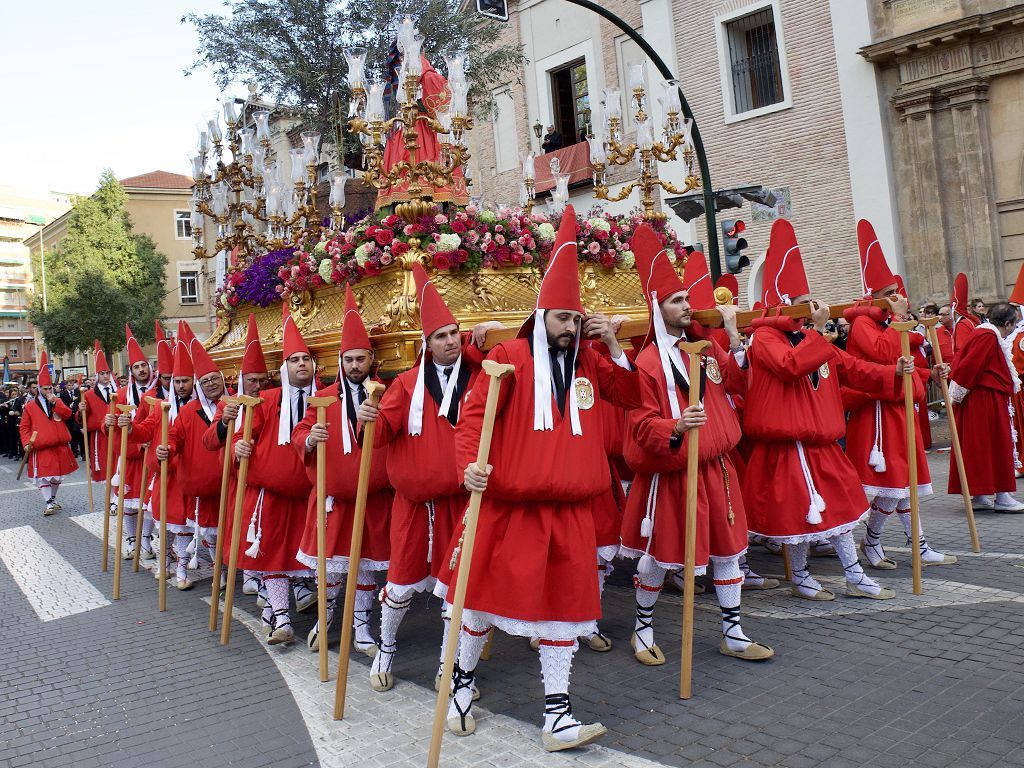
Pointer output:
x,y
436,97
797,378
535,547
342,481
983,416
874,341
51,453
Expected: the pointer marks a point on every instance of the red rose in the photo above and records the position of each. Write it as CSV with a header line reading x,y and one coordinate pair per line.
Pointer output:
x,y
398,248
458,226
607,259
371,268
383,236
442,260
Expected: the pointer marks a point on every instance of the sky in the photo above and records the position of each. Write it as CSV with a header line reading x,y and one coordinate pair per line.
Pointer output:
x,y
92,85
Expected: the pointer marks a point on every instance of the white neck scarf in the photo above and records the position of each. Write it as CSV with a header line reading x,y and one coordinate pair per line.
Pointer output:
x,y
415,421
543,418
284,424
1006,346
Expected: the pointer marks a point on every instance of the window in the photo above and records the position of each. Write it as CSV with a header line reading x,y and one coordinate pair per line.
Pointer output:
x,y
188,286
571,98
183,225
754,61
12,352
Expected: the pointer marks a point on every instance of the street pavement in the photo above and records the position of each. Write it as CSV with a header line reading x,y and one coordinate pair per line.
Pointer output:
x,y
930,680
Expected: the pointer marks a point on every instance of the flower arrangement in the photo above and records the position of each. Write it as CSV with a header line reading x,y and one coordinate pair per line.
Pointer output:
x,y
462,240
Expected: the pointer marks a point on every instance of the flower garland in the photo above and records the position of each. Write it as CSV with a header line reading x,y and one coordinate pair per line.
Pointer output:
x,y
463,240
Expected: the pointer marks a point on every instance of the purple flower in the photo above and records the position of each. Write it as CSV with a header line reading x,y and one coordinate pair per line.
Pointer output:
x,y
261,281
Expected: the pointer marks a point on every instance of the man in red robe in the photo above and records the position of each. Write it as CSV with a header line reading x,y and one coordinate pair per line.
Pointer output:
x,y
51,457
964,320
140,381
252,380
983,382
876,437
533,572
147,430
416,422
344,452
199,476
95,407
277,488
657,433
799,485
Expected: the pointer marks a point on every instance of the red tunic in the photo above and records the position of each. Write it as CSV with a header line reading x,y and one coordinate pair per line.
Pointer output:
x,y
213,441
659,463
962,331
276,495
871,339
945,343
96,410
146,429
429,497
342,479
199,470
51,453
133,461
983,416
534,563
796,381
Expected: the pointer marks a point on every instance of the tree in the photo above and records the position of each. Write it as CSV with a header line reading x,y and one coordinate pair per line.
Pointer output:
x,y
100,277
293,50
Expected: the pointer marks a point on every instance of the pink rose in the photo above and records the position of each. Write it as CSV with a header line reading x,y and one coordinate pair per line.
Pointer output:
x,y
385,259
594,248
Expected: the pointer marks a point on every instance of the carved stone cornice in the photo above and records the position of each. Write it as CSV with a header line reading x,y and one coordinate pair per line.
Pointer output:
x,y
966,92
943,35
917,104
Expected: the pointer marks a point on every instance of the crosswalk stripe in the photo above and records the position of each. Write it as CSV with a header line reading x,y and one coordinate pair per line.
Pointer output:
x,y
50,583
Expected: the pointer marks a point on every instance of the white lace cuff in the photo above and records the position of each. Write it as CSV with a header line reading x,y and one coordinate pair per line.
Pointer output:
x,y
957,393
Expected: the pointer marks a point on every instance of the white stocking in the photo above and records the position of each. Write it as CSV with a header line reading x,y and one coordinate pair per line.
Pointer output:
x,y
278,592
648,586
728,588
555,665
181,541
855,575
392,611
471,645
802,579
366,589
927,553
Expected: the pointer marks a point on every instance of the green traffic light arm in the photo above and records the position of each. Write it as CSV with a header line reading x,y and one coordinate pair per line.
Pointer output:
x,y
698,144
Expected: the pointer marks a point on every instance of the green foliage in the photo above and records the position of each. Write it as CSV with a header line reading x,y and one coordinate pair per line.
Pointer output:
x,y
292,50
100,277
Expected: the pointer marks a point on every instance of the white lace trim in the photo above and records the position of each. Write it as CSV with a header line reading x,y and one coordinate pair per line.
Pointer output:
x,y
957,393
633,554
182,529
608,553
339,564
815,535
302,573
896,493
480,621
401,592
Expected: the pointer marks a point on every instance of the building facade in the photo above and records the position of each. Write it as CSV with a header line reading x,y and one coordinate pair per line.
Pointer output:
x,y
952,75
23,215
781,97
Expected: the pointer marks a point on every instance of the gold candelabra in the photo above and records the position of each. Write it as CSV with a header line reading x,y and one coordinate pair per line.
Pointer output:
x,y
247,198
369,122
607,149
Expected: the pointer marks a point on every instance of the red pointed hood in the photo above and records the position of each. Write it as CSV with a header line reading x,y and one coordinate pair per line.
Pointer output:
x,y
784,277
959,303
1017,296
182,360
164,350
100,359
252,359
293,341
434,313
44,379
353,332
657,275
135,354
697,280
202,363
874,269
901,287
560,288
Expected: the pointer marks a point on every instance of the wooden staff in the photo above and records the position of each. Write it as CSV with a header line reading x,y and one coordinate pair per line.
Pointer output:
x,y
954,435
142,508
85,440
24,458
321,404
695,350
218,554
109,473
373,391
904,329
708,318
162,588
460,574
248,404
122,464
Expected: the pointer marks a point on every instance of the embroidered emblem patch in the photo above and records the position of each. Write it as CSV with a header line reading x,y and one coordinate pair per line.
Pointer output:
x,y
824,371
713,371
584,393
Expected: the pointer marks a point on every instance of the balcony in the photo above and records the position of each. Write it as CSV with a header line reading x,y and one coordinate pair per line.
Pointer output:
x,y
574,160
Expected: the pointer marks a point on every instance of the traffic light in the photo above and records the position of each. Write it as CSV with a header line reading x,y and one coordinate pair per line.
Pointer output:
x,y
495,9
733,245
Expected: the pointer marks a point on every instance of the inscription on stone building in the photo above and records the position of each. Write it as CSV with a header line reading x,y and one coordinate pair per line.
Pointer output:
x,y
912,15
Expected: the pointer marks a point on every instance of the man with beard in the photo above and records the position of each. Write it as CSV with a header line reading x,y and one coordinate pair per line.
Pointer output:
x,y
534,571
277,489
344,452
95,407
